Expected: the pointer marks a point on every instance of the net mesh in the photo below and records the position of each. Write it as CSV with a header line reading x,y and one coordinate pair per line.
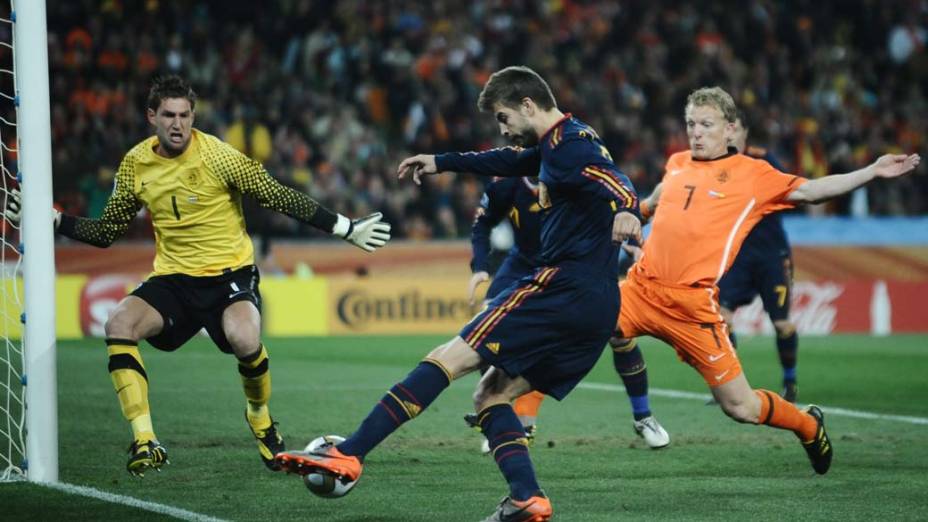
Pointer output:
x,y
12,392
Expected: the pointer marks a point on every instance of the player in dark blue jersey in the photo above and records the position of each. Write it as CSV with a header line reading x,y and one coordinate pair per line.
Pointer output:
x,y
546,331
516,199
764,266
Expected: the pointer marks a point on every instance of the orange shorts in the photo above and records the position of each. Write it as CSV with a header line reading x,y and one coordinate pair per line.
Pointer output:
x,y
685,318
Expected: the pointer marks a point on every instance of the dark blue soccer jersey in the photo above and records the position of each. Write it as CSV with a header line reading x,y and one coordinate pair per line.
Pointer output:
x,y
580,190
517,200
767,240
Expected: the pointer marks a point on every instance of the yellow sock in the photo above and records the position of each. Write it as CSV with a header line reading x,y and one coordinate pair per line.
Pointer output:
x,y
131,384
142,429
256,382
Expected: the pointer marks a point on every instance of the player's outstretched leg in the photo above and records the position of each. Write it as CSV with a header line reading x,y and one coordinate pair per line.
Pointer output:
x,y
787,350
256,382
629,364
403,402
131,384
743,404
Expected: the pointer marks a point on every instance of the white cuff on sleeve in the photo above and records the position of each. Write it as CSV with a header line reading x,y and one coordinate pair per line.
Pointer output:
x,y
342,227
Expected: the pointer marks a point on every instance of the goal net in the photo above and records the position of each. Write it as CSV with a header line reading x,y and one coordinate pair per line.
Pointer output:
x,y
12,391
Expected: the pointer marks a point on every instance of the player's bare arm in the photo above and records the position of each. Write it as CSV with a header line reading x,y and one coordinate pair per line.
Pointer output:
x,y
655,196
418,165
634,251
626,225
648,205
887,166
475,281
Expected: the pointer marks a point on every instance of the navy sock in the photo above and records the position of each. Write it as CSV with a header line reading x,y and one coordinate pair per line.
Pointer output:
x,y
404,401
788,348
629,364
509,446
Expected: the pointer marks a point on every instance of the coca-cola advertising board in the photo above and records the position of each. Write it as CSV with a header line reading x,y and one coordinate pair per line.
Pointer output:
x,y
823,307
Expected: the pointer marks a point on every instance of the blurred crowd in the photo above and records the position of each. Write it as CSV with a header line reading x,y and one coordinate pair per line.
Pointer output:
x,y
331,95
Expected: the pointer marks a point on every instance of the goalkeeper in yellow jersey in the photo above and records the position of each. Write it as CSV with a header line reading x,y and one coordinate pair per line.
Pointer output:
x,y
204,273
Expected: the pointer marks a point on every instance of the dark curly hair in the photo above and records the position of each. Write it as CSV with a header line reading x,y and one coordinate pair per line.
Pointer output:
x,y
170,86
510,85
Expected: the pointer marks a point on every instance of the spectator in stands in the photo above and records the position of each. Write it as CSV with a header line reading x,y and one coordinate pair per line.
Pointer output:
x,y
363,82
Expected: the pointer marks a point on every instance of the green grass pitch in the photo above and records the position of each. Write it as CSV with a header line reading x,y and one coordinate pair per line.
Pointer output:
x,y
587,457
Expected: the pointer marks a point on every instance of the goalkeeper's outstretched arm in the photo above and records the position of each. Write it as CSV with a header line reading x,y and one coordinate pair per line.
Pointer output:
x,y
120,209
118,213
250,177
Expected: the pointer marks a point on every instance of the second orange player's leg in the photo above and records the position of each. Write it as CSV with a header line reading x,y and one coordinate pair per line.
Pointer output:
x,y
707,348
758,406
704,347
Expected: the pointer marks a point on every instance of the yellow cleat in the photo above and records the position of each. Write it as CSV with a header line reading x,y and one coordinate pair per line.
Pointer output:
x,y
145,455
270,443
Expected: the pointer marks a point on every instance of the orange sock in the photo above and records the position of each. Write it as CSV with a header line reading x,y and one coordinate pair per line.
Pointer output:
x,y
777,412
528,404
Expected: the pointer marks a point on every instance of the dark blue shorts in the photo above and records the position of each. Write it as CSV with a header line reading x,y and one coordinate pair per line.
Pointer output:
x,y
512,269
549,327
772,278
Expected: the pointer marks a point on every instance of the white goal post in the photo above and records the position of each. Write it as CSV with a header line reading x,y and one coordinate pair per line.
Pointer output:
x,y
30,52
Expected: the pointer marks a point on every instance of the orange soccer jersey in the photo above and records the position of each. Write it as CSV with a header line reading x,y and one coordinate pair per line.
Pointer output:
x,y
705,211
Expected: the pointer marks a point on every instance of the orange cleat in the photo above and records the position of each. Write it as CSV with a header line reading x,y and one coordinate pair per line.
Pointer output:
x,y
535,509
326,459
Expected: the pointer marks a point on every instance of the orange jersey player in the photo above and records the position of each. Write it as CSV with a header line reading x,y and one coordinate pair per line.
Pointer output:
x,y
711,196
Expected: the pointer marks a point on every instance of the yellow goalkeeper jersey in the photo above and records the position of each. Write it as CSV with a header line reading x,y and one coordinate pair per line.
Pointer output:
x,y
195,201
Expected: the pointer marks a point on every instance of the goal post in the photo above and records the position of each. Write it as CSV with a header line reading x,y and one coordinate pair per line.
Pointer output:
x,y
30,52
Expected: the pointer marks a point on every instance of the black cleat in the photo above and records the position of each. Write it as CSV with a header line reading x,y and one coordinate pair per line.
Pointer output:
x,y
530,431
145,455
270,443
472,421
790,391
819,449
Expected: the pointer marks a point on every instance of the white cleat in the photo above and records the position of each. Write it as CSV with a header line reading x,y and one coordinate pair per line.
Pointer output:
x,y
652,432
485,446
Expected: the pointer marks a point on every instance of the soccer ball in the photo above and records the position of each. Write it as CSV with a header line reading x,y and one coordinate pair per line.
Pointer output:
x,y
321,483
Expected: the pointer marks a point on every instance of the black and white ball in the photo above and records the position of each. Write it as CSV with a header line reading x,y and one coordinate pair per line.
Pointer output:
x,y
324,484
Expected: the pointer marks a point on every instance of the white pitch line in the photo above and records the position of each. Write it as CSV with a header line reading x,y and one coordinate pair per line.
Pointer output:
x,y
679,394
161,509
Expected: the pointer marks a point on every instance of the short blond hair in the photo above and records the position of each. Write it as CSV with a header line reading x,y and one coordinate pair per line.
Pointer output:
x,y
714,97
